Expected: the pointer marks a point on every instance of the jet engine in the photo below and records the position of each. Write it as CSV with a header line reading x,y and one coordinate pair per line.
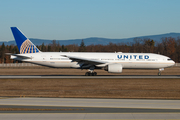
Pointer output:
x,y
113,68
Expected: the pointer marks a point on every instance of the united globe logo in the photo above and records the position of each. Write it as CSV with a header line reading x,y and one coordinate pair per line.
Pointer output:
x,y
28,47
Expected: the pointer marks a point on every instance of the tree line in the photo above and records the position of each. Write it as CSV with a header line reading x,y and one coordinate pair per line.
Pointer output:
x,y
168,46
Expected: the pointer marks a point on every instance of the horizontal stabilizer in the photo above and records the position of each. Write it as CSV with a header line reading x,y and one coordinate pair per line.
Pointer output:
x,y
19,55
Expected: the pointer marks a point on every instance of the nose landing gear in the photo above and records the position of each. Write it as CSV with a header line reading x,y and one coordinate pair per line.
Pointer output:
x,y
159,73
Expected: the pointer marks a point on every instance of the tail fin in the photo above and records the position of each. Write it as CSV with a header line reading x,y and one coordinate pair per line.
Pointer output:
x,y
23,43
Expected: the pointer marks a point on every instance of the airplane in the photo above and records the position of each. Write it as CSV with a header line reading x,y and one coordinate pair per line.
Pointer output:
x,y
111,62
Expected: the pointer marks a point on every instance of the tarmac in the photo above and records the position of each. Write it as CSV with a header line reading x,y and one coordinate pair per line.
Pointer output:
x,y
81,109
85,77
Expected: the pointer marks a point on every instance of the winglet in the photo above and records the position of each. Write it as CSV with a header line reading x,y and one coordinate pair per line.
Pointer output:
x,y
23,43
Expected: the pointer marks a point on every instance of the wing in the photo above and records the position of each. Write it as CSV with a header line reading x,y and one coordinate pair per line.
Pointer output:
x,y
84,60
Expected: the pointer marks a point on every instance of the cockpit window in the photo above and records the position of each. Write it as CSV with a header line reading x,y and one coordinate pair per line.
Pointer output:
x,y
169,59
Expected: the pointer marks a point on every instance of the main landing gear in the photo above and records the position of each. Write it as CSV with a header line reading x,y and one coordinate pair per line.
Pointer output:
x,y
159,73
91,72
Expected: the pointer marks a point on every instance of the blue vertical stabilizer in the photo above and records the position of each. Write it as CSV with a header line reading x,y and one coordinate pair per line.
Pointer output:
x,y
23,43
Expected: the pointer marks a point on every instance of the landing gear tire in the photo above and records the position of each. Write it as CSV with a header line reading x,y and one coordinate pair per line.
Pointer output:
x,y
95,73
86,74
90,74
159,73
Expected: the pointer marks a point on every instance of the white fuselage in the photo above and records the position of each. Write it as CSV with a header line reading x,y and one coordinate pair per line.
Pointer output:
x,y
127,60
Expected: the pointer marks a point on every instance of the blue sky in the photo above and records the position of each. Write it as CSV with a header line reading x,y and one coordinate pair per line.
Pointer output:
x,y
78,19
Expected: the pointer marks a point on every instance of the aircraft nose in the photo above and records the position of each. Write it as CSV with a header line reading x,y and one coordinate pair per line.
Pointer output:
x,y
173,63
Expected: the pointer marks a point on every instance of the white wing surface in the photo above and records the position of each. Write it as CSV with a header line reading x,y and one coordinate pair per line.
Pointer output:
x,y
84,60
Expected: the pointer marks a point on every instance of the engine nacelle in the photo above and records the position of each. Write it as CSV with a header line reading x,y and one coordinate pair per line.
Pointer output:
x,y
114,68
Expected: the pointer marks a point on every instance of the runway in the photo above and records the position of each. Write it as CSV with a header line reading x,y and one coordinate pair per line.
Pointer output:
x,y
75,108
84,77
60,109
